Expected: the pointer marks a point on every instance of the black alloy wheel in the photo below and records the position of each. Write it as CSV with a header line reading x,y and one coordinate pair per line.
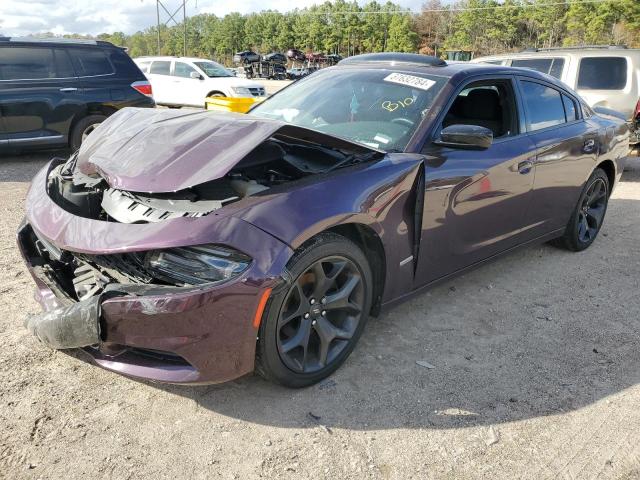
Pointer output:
x,y
588,216
310,326
592,210
320,314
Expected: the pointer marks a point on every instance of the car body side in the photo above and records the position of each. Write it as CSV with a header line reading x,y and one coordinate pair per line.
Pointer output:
x,y
407,211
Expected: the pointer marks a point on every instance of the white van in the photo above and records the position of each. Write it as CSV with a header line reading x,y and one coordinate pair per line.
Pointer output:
x,y
178,81
607,76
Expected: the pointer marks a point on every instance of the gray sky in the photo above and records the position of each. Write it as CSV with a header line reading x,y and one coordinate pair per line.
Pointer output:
x,y
22,17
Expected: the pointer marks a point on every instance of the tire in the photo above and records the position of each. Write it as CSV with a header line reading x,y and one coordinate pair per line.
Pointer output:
x,y
591,208
84,127
331,329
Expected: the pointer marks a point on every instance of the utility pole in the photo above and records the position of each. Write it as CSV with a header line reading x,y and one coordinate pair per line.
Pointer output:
x,y
172,17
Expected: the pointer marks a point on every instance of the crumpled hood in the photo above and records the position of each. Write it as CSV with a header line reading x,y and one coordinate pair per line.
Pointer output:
x,y
162,150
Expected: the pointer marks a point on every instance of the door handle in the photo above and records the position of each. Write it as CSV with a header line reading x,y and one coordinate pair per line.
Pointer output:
x,y
69,89
525,167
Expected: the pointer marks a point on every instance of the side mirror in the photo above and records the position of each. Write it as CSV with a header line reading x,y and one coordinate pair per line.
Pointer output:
x,y
465,136
195,75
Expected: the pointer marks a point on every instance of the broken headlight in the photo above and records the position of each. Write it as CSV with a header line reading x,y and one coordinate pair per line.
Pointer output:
x,y
196,265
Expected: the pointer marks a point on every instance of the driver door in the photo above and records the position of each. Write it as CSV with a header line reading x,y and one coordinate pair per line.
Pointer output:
x,y
187,90
476,201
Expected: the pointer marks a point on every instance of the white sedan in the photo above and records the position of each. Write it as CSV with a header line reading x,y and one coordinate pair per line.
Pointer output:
x,y
180,81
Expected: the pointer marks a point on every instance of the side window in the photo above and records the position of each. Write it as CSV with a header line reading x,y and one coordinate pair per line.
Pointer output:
x,y
489,103
602,73
570,111
27,63
144,66
160,67
90,62
551,66
182,69
64,69
544,105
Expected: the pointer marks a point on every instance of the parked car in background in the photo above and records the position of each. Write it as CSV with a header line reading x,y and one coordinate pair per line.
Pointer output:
x,y
179,81
605,76
197,246
54,92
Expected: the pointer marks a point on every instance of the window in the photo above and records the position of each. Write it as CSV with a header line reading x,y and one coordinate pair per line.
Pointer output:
x,y
181,69
544,105
64,69
551,66
374,107
602,73
90,62
144,66
488,104
160,68
569,109
18,63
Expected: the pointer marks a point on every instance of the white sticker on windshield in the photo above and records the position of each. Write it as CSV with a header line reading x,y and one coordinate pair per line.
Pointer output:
x,y
410,80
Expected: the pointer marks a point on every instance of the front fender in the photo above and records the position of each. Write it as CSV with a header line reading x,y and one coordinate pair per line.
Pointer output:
x,y
376,195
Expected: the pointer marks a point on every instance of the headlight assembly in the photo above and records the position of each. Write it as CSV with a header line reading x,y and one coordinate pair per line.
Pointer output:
x,y
243,91
196,265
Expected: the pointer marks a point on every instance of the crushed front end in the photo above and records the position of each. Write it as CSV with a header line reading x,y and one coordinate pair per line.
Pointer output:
x,y
171,300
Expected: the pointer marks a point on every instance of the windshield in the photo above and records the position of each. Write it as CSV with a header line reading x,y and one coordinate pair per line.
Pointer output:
x,y
378,108
213,69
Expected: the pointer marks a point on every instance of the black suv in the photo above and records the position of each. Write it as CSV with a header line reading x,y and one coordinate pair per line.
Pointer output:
x,y
54,92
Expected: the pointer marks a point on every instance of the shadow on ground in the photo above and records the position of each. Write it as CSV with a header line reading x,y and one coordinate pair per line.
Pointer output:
x,y
539,332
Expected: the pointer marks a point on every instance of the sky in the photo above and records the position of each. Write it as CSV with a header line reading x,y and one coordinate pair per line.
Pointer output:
x,y
23,17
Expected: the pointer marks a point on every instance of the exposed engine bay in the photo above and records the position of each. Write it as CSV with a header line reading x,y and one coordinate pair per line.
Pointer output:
x,y
276,161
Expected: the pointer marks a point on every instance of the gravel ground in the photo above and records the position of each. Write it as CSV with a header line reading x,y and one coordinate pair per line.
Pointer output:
x,y
536,369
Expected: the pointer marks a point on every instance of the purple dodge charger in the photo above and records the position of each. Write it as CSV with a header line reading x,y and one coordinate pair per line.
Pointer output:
x,y
196,247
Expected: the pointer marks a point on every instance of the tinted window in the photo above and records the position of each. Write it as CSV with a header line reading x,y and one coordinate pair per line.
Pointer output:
x,y
123,63
160,68
90,61
181,69
552,66
602,73
544,105
17,63
569,109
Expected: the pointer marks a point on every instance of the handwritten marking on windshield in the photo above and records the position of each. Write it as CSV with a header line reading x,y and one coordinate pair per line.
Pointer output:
x,y
392,106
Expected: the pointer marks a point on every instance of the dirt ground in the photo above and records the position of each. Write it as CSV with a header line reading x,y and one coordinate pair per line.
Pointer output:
x,y
536,375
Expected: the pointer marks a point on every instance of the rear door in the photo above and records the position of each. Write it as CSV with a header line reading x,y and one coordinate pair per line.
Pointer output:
x,y
160,77
38,96
566,151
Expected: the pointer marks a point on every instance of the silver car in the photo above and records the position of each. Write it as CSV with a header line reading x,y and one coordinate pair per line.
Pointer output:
x,y
604,76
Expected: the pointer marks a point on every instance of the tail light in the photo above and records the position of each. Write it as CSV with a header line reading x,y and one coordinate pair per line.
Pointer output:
x,y
636,113
143,87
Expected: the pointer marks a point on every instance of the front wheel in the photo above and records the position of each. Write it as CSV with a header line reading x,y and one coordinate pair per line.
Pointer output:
x,y
587,218
311,327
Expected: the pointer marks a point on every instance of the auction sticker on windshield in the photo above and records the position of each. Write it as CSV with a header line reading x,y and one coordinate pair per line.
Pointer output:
x,y
410,80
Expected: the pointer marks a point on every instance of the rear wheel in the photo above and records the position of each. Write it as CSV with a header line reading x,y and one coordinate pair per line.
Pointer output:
x,y
312,326
587,219
83,128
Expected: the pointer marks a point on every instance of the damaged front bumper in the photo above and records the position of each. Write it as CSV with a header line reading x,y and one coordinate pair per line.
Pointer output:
x,y
176,334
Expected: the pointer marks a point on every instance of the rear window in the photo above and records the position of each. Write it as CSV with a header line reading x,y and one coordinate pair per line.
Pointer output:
x,y
551,66
544,105
91,62
602,73
34,63
160,68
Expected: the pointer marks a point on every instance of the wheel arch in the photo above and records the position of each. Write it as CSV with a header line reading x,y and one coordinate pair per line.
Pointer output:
x,y
370,243
610,169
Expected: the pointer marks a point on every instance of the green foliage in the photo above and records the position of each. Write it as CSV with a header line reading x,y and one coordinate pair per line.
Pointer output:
x,y
346,28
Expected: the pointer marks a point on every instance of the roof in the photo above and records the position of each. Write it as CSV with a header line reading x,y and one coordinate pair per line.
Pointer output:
x,y
564,52
150,58
57,41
